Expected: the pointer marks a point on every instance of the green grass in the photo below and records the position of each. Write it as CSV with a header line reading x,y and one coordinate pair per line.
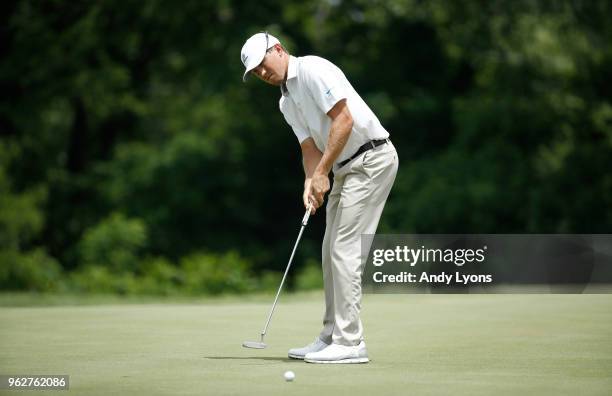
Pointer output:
x,y
419,345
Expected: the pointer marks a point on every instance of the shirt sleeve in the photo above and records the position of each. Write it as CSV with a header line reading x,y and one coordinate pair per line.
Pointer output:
x,y
299,127
325,85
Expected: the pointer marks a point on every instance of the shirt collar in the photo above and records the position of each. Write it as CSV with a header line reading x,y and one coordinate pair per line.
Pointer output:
x,y
292,68
291,73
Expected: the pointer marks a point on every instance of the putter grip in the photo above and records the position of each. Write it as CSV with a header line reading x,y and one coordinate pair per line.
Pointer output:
x,y
306,215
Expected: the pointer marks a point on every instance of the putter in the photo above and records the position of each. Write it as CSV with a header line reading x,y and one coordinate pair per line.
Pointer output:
x,y
261,344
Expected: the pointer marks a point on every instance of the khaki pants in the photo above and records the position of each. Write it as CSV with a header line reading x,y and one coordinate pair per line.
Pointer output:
x,y
354,206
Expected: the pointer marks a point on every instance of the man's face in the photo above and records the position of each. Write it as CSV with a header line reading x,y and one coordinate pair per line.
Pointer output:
x,y
273,68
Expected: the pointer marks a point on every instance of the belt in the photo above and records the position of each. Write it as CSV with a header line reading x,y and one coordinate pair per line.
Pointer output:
x,y
368,146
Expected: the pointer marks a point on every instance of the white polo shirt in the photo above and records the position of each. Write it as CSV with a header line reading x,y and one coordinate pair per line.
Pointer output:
x,y
314,85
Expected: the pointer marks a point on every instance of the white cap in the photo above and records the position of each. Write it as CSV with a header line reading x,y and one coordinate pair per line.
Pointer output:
x,y
254,50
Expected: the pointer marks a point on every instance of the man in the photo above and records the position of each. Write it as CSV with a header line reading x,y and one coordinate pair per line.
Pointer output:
x,y
337,132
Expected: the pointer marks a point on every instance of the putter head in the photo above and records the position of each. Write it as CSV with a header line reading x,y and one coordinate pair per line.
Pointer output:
x,y
254,344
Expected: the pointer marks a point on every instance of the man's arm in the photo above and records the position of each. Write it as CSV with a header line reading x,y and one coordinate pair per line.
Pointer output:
x,y
342,124
311,156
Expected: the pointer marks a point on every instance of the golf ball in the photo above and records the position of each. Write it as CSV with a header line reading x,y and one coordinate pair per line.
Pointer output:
x,y
289,376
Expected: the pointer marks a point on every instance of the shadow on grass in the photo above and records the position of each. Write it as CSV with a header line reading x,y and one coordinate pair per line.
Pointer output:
x,y
271,358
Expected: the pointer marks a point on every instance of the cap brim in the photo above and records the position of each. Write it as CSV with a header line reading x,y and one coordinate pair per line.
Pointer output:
x,y
252,65
245,75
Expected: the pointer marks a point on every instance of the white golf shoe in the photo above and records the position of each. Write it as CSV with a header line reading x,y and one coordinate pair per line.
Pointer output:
x,y
336,353
315,346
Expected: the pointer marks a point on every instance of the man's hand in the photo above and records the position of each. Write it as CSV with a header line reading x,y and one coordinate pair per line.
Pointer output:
x,y
319,186
307,196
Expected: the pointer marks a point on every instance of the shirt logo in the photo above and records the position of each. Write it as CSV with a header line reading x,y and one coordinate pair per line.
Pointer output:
x,y
328,92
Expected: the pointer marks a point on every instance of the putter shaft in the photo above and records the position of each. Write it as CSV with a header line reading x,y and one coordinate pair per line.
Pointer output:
x,y
304,222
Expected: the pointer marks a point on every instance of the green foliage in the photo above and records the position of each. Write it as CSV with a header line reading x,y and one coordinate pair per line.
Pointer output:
x,y
129,140
103,280
34,271
196,274
114,243
174,190
21,220
215,274
159,276
270,280
310,277
21,216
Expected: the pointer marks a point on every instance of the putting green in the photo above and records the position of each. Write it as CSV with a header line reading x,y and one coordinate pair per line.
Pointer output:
x,y
418,344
